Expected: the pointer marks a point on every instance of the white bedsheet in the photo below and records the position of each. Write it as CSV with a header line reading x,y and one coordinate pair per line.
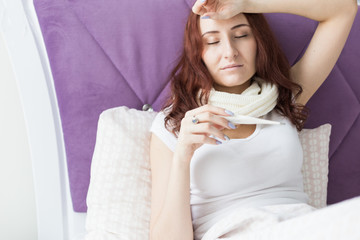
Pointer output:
x,y
291,221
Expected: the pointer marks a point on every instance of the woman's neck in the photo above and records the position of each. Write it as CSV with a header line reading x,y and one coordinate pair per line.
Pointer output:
x,y
235,89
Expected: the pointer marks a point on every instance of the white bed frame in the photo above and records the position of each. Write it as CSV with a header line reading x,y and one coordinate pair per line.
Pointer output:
x,y
56,219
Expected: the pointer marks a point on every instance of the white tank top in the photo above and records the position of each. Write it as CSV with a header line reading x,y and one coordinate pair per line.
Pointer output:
x,y
260,170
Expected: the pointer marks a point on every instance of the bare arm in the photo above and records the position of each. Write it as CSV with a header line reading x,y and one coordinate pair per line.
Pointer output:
x,y
324,49
170,198
170,193
335,19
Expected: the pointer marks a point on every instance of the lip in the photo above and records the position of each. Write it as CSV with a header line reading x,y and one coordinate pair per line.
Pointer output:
x,y
231,66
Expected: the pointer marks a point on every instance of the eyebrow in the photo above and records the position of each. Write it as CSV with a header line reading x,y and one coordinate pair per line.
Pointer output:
x,y
234,27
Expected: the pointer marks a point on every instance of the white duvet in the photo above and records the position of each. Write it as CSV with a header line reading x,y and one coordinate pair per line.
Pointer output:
x,y
290,221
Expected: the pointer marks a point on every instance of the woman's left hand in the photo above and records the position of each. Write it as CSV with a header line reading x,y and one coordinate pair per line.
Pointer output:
x,y
218,9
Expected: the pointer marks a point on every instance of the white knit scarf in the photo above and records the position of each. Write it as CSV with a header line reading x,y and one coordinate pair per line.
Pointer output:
x,y
256,101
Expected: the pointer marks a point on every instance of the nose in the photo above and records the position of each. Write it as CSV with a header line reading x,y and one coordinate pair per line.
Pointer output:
x,y
230,50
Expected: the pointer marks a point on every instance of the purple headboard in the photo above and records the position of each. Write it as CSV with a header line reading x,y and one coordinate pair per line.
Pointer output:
x,y
112,53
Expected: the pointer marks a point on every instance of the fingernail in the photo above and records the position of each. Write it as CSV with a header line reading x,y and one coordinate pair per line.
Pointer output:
x,y
226,137
218,142
202,1
229,112
205,17
231,125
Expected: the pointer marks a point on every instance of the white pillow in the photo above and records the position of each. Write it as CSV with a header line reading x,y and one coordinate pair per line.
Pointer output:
x,y
315,144
119,195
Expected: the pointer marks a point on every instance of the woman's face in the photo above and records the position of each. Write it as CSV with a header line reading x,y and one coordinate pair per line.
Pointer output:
x,y
229,52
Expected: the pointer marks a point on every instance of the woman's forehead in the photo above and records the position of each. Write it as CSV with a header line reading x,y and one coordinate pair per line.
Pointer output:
x,y
218,25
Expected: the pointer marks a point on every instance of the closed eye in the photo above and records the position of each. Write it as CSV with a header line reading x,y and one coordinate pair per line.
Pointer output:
x,y
211,43
241,36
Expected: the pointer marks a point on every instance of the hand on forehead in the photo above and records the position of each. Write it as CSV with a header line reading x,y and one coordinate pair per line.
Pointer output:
x,y
218,9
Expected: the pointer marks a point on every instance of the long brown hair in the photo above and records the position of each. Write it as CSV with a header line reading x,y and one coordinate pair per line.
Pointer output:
x,y
190,74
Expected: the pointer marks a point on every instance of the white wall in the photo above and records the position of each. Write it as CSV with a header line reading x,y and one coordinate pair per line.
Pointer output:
x,y
17,199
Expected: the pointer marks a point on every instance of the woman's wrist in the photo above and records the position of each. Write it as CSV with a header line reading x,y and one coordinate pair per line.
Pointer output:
x,y
182,155
180,162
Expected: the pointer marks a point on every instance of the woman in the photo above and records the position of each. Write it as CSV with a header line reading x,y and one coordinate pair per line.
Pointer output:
x,y
230,128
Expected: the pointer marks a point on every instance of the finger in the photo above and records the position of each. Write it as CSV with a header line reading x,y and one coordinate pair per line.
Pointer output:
x,y
198,7
207,129
204,139
209,108
186,122
202,11
224,14
216,120
213,16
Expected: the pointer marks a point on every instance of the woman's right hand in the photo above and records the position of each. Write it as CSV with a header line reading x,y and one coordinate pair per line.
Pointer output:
x,y
192,135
